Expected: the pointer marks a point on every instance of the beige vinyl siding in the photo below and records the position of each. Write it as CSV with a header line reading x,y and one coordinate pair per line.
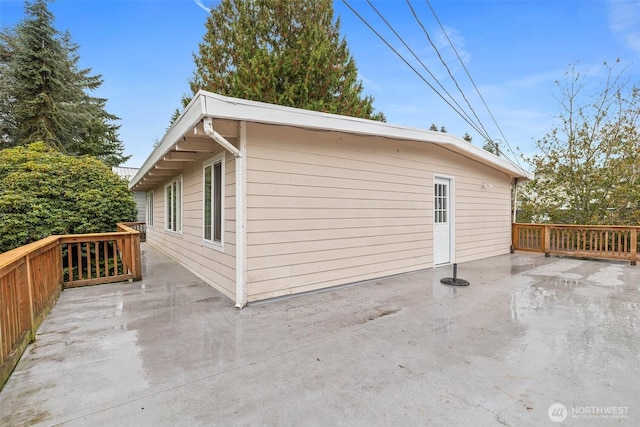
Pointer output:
x,y
326,208
482,215
214,266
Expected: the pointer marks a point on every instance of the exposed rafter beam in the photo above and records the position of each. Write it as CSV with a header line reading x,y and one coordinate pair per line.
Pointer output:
x,y
168,166
197,146
156,175
161,172
198,129
180,156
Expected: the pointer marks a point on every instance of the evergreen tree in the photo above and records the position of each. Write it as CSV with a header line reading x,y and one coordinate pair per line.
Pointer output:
x,y
7,123
46,97
492,147
285,52
467,137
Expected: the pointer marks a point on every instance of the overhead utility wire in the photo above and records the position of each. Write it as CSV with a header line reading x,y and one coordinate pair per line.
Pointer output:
x,y
474,84
467,118
415,15
406,62
461,110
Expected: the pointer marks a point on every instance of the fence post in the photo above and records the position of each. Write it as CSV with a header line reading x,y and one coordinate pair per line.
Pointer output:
x,y
59,267
546,244
634,245
32,318
514,237
136,267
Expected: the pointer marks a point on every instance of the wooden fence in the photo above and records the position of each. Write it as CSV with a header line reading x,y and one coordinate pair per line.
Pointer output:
x,y
586,241
32,277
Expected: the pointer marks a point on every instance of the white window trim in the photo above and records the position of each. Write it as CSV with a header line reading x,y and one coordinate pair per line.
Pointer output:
x,y
219,158
180,202
149,197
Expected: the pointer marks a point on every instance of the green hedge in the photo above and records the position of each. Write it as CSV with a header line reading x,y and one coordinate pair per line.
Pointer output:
x,y
44,192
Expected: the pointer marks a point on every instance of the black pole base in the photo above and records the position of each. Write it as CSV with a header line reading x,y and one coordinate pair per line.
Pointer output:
x,y
451,281
454,281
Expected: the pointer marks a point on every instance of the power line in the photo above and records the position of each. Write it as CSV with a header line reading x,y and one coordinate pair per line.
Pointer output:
x,y
461,110
415,15
408,64
473,83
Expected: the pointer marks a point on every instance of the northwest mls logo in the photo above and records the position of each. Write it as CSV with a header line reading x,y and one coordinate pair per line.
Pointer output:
x,y
557,412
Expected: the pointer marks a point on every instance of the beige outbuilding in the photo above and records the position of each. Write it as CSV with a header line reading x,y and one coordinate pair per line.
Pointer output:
x,y
262,201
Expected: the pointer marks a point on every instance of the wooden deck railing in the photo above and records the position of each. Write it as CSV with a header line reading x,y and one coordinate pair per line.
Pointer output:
x,y
32,277
138,226
588,241
90,259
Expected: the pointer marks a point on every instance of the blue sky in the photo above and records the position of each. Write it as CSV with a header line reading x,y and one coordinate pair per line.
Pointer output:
x,y
513,50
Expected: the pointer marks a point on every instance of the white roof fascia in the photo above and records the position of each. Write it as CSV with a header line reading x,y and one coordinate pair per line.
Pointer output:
x,y
207,104
223,107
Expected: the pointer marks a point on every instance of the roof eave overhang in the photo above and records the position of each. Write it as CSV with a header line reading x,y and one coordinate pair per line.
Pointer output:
x,y
251,111
192,114
207,104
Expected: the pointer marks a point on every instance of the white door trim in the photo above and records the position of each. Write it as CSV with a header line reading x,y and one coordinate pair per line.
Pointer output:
x,y
452,216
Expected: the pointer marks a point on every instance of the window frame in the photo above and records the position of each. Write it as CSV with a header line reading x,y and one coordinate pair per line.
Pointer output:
x,y
149,203
209,237
173,212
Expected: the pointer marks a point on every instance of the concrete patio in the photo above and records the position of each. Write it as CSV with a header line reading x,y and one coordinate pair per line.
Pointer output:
x,y
528,333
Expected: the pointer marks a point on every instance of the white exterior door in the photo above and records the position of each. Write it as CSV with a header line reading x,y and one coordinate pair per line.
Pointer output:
x,y
441,221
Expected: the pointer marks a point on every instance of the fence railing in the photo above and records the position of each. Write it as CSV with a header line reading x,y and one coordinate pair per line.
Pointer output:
x,y
90,259
32,277
587,241
140,227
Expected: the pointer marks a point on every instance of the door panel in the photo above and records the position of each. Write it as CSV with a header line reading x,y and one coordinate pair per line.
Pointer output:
x,y
441,221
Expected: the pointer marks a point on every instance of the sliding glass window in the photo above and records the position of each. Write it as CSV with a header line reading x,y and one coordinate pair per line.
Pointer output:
x,y
173,205
213,201
150,208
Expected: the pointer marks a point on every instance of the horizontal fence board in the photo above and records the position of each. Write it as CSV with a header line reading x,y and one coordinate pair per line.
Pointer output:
x,y
82,238
98,281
